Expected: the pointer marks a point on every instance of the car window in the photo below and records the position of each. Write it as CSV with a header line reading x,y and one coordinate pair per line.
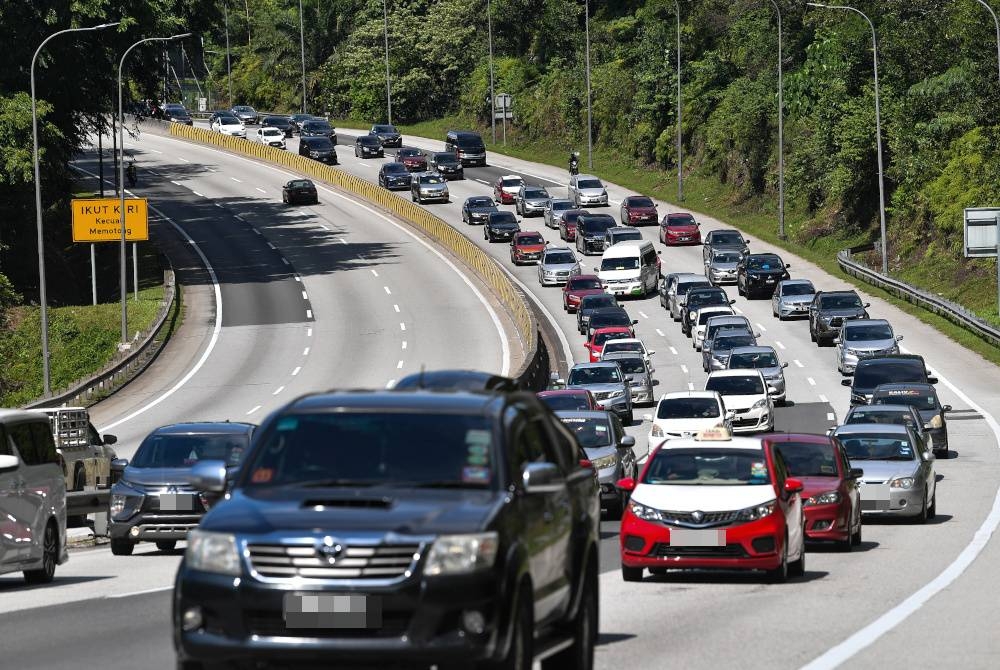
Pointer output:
x,y
751,360
682,220
735,385
527,445
589,183
184,450
582,283
878,448
764,263
603,374
640,202
564,258
631,366
708,467
867,332
20,437
807,459
887,371
730,238
612,264
726,257
530,239
688,408
922,400
5,448
590,432
45,443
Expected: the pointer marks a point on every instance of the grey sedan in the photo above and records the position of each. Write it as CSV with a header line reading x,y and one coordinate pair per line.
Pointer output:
x,y
609,450
554,211
899,477
673,291
609,386
764,359
864,338
429,186
531,200
791,298
638,373
586,189
721,267
557,265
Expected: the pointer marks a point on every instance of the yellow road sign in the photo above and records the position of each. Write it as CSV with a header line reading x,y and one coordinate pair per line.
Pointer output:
x,y
99,220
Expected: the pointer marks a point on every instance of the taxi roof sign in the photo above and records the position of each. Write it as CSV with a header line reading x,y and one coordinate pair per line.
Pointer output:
x,y
717,434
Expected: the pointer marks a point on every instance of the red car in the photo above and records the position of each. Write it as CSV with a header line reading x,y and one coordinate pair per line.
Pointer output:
x,y
567,223
601,335
713,501
577,287
506,188
831,499
679,228
526,246
638,210
412,159
569,399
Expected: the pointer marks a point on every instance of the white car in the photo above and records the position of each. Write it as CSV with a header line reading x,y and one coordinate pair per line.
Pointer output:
x,y
271,136
700,322
685,414
229,125
629,345
747,395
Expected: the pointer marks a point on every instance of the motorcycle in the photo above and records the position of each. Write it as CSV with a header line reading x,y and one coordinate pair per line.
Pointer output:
x,y
131,175
574,163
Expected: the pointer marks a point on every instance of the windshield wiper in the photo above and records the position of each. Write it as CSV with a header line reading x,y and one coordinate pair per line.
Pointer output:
x,y
320,483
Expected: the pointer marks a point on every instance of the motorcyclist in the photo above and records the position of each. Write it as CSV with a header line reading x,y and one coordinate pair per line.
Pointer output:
x,y
131,174
574,162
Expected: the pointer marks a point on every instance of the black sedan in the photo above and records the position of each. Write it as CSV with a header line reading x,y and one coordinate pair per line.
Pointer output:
x,y
319,149
500,226
394,176
318,128
282,123
387,135
299,190
298,119
447,165
368,146
477,209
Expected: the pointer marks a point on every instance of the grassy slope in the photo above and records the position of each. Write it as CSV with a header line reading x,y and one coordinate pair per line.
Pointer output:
x,y
706,194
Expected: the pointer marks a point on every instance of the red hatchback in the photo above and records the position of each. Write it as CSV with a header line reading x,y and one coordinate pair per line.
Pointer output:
x,y
679,228
831,499
505,189
569,400
567,223
638,210
577,287
412,159
601,335
526,247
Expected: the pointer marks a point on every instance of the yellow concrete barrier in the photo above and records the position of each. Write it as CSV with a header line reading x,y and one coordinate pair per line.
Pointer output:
x,y
475,258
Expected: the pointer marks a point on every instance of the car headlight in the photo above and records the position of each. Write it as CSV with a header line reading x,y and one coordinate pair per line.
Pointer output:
x,y
760,404
603,462
757,511
123,506
656,431
827,498
692,315
461,554
616,394
936,422
645,513
212,552
902,483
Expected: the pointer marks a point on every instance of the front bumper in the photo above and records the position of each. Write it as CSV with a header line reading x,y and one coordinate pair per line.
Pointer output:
x,y
557,279
787,309
641,219
831,522
150,526
675,238
531,209
722,277
472,159
371,153
527,256
400,184
593,245
642,394
391,141
629,287
592,199
880,500
440,196
501,234
753,420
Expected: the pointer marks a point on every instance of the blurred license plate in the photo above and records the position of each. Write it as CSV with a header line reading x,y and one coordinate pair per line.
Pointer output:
x,y
874,497
176,502
770,280
683,537
328,610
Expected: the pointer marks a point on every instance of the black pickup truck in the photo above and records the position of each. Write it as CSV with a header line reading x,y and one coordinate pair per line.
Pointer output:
x,y
396,529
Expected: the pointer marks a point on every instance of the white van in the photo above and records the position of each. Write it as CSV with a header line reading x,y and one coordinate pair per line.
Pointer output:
x,y
631,268
32,497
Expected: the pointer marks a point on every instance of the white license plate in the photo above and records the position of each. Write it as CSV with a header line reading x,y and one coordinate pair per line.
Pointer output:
x,y
770,281
327,610
874,492
176,502
684,537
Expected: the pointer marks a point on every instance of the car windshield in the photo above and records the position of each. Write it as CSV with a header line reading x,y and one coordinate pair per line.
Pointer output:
x,y
182,451
582,283
631,366
878,447
922,400
598,301
806,459
317,125
398,168
724,343
680,220
684,287
688,408
623,235
566,401
319,144
873,414
560,205
368,141
445,158
271,132
531,239
243,108
839,301
589,183
765,263
727,257
706,299
229,121
599,374
409,153
431,179
867,333
708,467
887,371
300,183
732,238
797,289
503,219
276,121
750,361
597,224
601,338
513,181
535,193
640,202
363,448
385,129
748,385
623,346
480,202
591,433
564,258
610,264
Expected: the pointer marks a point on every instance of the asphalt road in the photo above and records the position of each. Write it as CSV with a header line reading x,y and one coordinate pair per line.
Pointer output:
x,y
854,604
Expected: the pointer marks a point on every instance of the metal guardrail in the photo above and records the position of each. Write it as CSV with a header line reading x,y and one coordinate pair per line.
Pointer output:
x,y
952,311
536,357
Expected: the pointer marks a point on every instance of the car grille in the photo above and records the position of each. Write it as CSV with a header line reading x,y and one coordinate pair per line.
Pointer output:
x,y
708,519
603,395
612,282
271,623
745,423
837,321
275,144
383,561
729,551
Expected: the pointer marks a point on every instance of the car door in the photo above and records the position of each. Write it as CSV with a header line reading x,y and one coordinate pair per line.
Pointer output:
x,y
12,551
23,522
851,486
791,504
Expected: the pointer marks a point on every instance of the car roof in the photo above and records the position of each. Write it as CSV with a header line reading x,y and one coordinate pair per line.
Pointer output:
x,y
512,176
742,372
891,358
796,281
892,407
417,400
689,277
612,329
812,438
455,380
563,247
204,427
673,395
586,176
753,349
598,364
851,323
838,292
630,340
734,442
582,413
862,428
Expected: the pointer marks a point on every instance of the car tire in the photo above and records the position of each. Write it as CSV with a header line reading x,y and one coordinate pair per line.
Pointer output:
x,y
924,514
166,545
739,288
583,627
932,509
521,654
121,546
50,556
615,509
856,536
631,574
798,568
812,334
779,575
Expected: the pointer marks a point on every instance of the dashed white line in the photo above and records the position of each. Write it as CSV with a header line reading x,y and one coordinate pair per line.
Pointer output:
x,y
309,314
798,363
690,386
175,183
643,314
155,151
830,416
183,159
396,307
238,181
812,382
271,245
673,351
660,333
762,328
298,278
278,390
684,369
305,296
375,273
144,591
387,291
260,189
305,352
823,398
404,344
257,407
296,371
780,345
153,172
286,262
389,384
399,365
737,309
309,332
402,326
482,181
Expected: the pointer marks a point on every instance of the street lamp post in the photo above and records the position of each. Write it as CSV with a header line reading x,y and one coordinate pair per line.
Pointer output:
x,y
492,105
246,4
42,294
996,24
388,91
229,65
878,129
781,135
680,144
302,47
121,178
590,126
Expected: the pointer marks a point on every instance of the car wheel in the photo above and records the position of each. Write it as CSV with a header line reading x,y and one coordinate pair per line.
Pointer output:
x,y
631,574
941,454
924,514
739,287
812,334
932,510
580,654
856,536
50,556
521,653
798,568
166,545
779,575
121,546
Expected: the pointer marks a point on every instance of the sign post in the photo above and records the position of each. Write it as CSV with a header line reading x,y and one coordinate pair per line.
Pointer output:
x,y
502,110
981,239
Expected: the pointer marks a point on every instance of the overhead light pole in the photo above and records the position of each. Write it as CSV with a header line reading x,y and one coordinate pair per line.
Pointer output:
x,y
229,65
42,294
680,118
492,103
246,4
121,177
781,134
878,129
388,90
302,47
590,125
996,24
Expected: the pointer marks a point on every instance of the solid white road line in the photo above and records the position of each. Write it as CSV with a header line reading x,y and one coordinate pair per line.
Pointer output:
x,y
158,589
278,390
256,407
798,363
296,371
260,189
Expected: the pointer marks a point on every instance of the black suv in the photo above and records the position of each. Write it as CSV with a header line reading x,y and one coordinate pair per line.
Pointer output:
x,y
924,399
318,148
759,274
153,500
873,372
447,165
467,145
702,296
829,310
590,230
394,529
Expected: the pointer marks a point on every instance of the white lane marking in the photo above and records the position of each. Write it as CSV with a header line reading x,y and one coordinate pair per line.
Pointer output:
x,y
389,384
737,309
643,314
812,382
296,371
309,332
278,390
342,240
305,352
257,232
155,151
830,416
260,189
399,365
175,183
158,589
396,307
690,386
402,326
271,245
673,351
823,398
238,217
684,369
305,296
660,333
404,344
183,159
298,278
256,407
482,181
309,314
219,205
375,273
762,328
780,345
153,172
387,291
238,181
869,634
798,363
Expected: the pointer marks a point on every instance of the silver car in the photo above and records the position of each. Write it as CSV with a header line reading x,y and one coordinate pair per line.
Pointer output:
x,y
674,288
720,268
531,200
613,236
608,384
899,477
864,338
640,377
426,186
609,450
557,265
554,210
586,189
903,415
792,298
715,352
764,359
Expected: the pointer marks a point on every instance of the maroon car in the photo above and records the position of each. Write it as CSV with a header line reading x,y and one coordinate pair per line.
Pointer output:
x,y
568,399
679,228
412,159
577,287
638,210
567,224
831,499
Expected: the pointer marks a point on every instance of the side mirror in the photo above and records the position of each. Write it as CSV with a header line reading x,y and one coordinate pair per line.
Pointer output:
x,y
628,441
836,340
756,334
732,302
772,391
650,352
845,382
119,465
8,463
209,476
856,473
868,304
110,439
946,408
784,365
747,242
793,485
588,345
542,478
635,322
899,338
647,417
730,414
932,379
627,485
788,265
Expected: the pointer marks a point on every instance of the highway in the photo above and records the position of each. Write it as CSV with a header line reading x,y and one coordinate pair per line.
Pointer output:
x,y
680,620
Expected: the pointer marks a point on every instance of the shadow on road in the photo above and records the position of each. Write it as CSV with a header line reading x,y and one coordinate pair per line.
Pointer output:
x,y
14,584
